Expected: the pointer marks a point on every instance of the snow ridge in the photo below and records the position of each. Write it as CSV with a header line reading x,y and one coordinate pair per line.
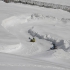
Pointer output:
x,y
62,44
10,22
40,16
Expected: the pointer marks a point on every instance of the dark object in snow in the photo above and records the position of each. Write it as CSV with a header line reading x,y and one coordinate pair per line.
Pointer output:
x,y
54,46
32,40
29,38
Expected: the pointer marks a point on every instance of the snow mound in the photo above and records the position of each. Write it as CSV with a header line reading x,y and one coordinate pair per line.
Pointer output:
x,y
60,43
37,16
49,18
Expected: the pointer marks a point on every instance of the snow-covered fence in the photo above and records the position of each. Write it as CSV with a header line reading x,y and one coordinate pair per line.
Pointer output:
x,y
42,4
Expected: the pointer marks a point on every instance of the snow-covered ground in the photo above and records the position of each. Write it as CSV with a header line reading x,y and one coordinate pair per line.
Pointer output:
x,y
19,22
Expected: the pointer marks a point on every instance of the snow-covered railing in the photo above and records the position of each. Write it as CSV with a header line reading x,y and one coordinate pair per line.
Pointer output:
x,y
42,4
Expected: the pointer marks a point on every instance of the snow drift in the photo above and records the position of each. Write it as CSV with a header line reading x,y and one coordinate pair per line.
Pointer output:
x,y
60,43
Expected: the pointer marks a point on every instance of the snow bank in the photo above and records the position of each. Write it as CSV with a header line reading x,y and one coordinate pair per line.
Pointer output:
x,y
48,18
63,44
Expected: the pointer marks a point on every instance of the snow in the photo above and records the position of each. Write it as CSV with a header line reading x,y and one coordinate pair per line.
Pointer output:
x,y
62,2
10,48
47,26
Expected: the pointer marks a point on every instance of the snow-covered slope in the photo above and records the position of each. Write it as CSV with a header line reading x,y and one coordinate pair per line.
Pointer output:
x,y
19,22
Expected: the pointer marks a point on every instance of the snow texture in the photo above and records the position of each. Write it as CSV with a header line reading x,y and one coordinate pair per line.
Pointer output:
x,y
47,26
